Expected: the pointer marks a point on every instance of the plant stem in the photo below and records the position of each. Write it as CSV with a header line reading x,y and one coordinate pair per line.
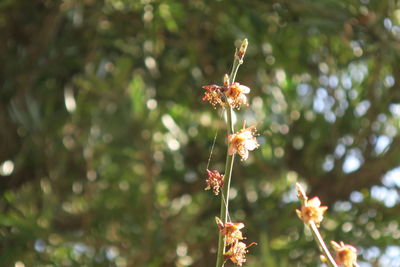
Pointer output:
x,y
235,68
228,168
225,191
324,249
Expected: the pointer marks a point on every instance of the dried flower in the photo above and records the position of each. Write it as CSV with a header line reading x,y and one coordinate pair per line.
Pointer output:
x,y
237,252
231,231
214,181
346,255
243,141
312,211
233,236
213,95
236,95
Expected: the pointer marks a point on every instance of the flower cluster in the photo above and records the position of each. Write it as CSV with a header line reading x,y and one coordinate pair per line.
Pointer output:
x,y
215,181
234,94
242,142
346,255
233,235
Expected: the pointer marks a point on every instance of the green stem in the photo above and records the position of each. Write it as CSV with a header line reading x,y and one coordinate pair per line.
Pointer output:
x,y
228,169
235,68
225,191
324,249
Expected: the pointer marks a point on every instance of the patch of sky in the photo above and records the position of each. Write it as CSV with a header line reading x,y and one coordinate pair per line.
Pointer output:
x,y
346,81
382,143
356,197
388,81
391,257
290,196
303,89
371,253
330,116
333,81
395,110
392,178
40,245
340,150
322,101
358,71
362,108
342,206
352,161
388,196
328,163
79,248
387,23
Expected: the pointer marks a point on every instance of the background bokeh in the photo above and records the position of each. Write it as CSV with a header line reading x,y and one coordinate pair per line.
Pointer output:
x,y
104,139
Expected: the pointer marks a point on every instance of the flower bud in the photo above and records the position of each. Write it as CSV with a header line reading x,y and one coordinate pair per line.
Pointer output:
x,y
226,81
242,50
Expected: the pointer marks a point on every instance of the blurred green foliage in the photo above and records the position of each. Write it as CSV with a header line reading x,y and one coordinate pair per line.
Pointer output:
x,y
105,141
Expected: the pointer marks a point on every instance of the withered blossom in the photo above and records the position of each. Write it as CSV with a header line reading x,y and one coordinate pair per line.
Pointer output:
x,y
233,236
242,142
237,252
214,95
346,255
215,181
312,211
234,94
231,231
